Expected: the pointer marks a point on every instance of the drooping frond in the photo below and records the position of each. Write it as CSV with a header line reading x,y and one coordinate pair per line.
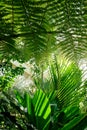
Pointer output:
x,y
36,28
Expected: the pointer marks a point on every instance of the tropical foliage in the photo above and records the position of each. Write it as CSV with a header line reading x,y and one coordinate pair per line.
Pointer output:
x,y
34,28
53,35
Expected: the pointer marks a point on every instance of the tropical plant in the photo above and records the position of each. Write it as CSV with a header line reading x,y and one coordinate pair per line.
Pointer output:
x,y
50,109
35,29
7,74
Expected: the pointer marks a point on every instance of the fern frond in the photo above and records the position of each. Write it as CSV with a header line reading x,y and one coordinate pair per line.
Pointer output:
x,y
45,26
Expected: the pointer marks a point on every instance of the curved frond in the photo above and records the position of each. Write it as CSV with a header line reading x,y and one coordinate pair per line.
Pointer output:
x,y
43,27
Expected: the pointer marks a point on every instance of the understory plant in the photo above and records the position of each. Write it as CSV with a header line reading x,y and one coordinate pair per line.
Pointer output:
x,y
36,29
54,105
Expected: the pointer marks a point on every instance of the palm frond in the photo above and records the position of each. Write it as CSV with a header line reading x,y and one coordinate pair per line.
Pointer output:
x,y
38,108
43,26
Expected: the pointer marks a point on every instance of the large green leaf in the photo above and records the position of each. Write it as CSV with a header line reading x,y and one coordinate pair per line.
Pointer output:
x,y
37,28
76,122
42,109
70,82
66,79
38,109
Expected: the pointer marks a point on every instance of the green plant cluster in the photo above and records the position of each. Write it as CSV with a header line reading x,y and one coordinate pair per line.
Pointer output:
x,y
7,74
54,104
39,112
37,30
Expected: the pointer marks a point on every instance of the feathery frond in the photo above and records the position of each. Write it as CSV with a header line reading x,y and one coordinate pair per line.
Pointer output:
x,y
37,28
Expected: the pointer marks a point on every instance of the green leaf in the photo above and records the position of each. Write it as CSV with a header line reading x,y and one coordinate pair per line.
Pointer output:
x,y
74,122
42,109
20,98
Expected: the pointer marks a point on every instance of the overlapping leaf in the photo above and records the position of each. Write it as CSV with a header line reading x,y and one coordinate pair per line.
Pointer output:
x,y
37,28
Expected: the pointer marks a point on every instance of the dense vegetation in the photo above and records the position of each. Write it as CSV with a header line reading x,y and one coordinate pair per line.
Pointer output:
x,y
50,36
